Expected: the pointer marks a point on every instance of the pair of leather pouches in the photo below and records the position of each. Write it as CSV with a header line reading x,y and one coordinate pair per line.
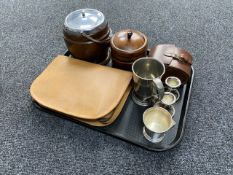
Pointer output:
x,y
91,93
87,92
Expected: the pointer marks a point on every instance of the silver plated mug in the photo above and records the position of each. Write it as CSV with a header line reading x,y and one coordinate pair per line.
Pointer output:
x,y
148,87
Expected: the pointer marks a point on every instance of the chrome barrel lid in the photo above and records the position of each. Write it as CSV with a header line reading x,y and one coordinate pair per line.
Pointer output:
x,y
85,20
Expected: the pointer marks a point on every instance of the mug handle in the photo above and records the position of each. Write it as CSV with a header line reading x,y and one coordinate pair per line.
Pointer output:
x,y
159,87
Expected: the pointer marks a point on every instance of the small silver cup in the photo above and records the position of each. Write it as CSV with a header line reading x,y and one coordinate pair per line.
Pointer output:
x,y
173,82
157,121
148,87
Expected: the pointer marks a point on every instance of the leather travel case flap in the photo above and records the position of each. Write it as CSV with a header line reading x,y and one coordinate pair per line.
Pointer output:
x,y
80,89
159,51
177,60
168,52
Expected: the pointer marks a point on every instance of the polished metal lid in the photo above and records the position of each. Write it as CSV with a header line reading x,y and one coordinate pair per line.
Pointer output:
x,y
85,20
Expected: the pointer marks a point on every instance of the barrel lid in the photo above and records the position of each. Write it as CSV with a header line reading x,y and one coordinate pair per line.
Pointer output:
x,y
129,40
85,20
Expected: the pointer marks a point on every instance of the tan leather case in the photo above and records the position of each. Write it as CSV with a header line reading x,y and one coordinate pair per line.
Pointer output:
x,y
84,91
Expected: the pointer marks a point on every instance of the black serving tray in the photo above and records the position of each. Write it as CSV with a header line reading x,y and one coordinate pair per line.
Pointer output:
x,y
129,126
